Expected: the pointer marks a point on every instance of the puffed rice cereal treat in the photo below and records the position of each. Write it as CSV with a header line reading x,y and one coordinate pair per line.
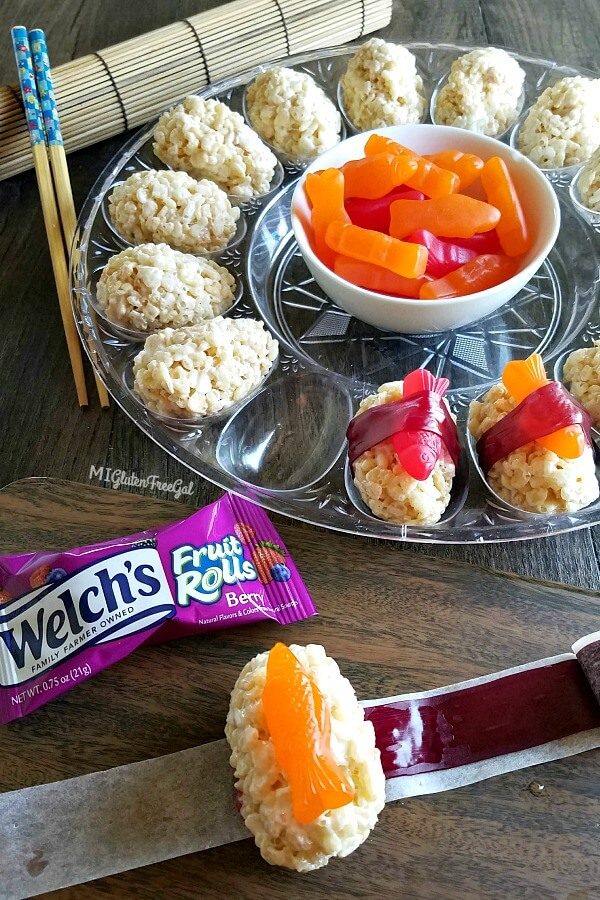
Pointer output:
x,y
588,184
533,478
381,86
173,208
293,113
266,802
202,369
483,92
385,486
209,140
152,286
581,372
562,127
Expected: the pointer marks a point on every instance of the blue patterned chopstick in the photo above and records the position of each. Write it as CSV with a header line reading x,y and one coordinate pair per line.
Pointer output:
x,y
27,84
43,75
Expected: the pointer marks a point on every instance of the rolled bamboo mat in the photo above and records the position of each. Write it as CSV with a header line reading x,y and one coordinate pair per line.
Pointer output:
x,y
121,87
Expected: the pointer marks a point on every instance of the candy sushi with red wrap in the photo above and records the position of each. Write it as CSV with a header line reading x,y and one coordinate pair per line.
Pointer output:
x,y
534,441
403,449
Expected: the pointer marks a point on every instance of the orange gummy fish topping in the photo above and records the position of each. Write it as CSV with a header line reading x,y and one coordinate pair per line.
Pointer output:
x,y
521,377
299,723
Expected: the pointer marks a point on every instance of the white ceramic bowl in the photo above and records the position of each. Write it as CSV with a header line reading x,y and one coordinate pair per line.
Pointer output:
x,y
427,316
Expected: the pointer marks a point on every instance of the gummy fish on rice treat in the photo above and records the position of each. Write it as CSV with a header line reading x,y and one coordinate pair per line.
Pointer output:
x,y
308,773
534,441
404,450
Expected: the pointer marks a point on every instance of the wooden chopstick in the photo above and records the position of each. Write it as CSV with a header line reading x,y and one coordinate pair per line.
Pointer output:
x,y
48,200
58,159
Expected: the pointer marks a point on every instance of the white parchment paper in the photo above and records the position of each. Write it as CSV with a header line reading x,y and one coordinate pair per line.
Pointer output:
x,y
73,831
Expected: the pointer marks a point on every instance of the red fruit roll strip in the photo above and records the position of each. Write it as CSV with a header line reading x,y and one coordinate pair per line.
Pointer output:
x,y
479,274
501,193
454,216
448,737
400,257
374,278
423,412
375,176
429,178
325,190
375,214
466,165
546,410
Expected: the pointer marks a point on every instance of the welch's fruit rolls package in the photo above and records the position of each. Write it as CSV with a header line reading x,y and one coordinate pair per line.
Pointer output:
x,y
66,616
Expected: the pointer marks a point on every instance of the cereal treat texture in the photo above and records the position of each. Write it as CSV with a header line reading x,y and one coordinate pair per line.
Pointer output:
x,y
386,487
482,93
381,86
589,182
265,795
562,127
582,374
152,286
533,478
293,113
173,208
208,140
202,369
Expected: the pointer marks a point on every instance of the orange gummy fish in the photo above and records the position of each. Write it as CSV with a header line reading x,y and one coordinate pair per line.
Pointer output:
x,y
299,723
521,377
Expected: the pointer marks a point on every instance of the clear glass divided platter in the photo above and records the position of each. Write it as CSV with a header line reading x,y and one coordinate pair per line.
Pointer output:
x,y
284,446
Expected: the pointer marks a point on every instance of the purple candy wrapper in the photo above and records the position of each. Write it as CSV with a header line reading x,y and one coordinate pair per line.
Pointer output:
x,y
66,616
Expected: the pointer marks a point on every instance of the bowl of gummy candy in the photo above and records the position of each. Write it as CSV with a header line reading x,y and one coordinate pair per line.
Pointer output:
x,y
423,228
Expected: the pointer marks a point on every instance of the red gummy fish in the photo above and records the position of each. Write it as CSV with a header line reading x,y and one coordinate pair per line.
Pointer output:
x,y
418,451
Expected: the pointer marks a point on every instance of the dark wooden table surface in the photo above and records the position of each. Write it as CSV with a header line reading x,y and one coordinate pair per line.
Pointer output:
x,y
43,430
423,624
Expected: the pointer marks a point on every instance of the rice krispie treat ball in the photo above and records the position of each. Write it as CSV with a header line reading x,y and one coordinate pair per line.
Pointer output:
x,y
588,184
533,478
482,93
265,793
562,127
581,372
175,209
208,140
200,370
387,488
152,286
293,113
381,86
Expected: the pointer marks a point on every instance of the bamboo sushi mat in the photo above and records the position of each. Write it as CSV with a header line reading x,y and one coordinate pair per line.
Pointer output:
x,y
124,86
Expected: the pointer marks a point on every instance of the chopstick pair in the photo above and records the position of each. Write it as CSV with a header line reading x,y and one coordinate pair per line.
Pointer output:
x,y
47,149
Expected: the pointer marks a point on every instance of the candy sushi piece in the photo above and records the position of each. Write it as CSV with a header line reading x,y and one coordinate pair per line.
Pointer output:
x,y
403,448
309,776
534,442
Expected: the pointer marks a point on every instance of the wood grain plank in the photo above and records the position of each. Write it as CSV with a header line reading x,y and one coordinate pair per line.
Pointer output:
x,y
565,30
421,623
